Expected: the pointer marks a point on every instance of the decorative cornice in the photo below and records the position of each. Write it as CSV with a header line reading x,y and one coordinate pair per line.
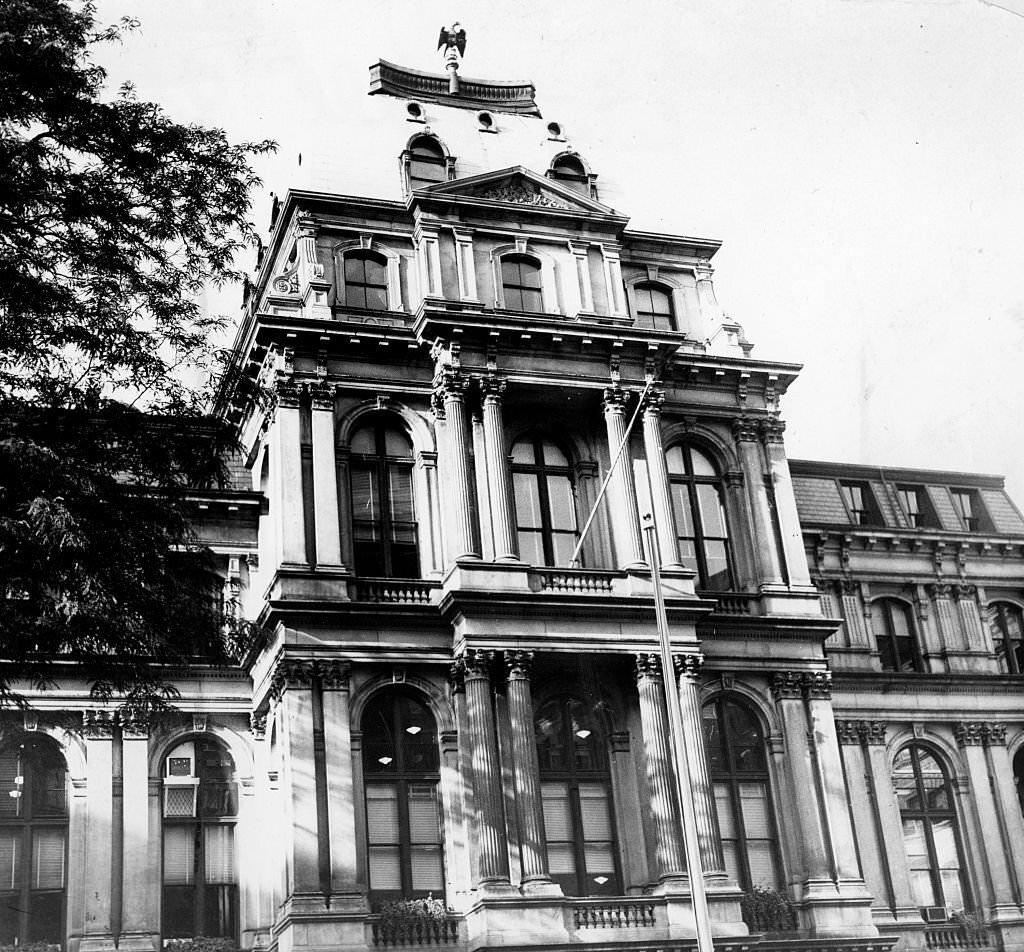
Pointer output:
x,y
648,666
519,665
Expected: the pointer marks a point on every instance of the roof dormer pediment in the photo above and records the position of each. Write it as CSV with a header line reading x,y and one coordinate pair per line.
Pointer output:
x,y
516,186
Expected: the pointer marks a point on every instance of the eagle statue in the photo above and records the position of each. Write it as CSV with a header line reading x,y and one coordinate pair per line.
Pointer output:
x,y
453,37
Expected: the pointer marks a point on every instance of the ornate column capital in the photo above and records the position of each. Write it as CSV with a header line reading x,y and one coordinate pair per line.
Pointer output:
x,y
614,400
519,665
492,388
654,402
98,724
939,590
744,430
772,430
134,726
969,733
333,674
965,591
457,676
286,394
872,732
994,734
321,396
648,665
847,732
290,673
258,724
817,685
477,662
688,666
787,685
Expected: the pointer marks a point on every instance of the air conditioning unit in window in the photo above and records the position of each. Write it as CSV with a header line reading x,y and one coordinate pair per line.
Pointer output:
x,y
934,913
180,782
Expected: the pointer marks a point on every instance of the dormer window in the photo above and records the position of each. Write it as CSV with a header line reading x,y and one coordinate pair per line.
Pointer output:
x,y
654,306
860,503
968,506
569,170
521,283
366,281
427,163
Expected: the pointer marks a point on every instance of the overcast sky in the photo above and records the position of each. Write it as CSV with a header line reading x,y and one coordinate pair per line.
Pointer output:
x,y
862,160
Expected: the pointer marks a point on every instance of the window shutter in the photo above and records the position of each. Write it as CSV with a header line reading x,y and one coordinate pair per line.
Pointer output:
x,y
219,854
594,812
426,868
179,856
557,818
423,819
48,859
382,813
385,868
9,805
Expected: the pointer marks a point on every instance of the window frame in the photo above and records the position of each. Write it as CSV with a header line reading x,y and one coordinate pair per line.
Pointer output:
x,y
926,516
652,317
439,159
1013,659
691,480
199,825
869,513
542,471
581,181
380,465
364,255
26,827
979,520
892,648
401,779
519,259
573,777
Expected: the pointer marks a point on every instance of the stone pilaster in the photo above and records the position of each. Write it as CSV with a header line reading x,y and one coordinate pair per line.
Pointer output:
x,y
765,545
138,875
793,555
665,807
536,877
98,726
325,477
661,497
506,544
622,504
286,506
334,683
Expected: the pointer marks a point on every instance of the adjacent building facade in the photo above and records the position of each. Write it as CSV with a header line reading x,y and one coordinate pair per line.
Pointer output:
x,y
479,383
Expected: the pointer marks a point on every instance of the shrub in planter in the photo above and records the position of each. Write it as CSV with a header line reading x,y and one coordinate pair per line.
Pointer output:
x,y
768,910
32,947
413,922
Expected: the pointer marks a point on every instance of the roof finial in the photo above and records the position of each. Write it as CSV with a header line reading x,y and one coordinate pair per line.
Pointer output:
x,y
453,41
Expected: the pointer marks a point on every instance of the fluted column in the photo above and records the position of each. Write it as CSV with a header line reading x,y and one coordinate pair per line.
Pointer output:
x,y
526,775
661,493
766,549
449,397
622,505
506,545
492,866
665,807
325,477
339,776
688,672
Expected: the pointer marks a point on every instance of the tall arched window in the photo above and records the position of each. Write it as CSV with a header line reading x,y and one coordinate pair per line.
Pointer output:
x,y
703,535
200,803
545,502
653,304
383,512
427,163
521,283
577,798
403,819
366,280
1018,776
738,766
931,836
33,841
1007,629
894,634
569,170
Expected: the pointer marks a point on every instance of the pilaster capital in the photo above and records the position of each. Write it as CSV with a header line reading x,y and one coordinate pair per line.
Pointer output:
x,y
969,733
333,673
457,676
135,726
290,674
492,388
258,724
519,665
450,385
846,732
787,685
994,734
648,666
688,666
872,732
614,400
321,396
477,663
772,430
286,394
965,591
939,590
817,685
744,430
849,586
98,724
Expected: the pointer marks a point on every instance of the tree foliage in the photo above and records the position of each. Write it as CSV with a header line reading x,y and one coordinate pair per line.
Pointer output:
x,y
113,219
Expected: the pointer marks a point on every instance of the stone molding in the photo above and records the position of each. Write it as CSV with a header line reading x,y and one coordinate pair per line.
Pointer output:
x,y
300,673
258,724
457,676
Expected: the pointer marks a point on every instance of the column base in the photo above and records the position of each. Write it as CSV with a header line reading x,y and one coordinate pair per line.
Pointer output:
x,y
499,888
97,942
137,942
830,910
672,884
540,887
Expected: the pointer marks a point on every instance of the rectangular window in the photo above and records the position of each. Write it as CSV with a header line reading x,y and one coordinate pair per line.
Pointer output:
x,y
860,502
917,507
968,506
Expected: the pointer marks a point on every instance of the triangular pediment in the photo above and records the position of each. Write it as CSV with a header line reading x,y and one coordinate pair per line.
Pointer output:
x,y
518,186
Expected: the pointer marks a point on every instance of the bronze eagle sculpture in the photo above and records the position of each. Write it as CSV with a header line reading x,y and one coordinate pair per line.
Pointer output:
x,y
453,36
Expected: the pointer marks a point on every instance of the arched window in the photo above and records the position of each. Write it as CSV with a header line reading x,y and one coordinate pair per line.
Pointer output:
x,y
738,766
1007,628
200,803
33,841
569,170
576,791
383,513
703,536
930,833
403,820
521,283
427,163
1018,776
545,502
894,634
653,304
366,280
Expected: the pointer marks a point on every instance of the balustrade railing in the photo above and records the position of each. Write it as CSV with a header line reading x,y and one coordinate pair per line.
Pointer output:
x,y
401,591
956,935
615,914
413,930
731,603
576,581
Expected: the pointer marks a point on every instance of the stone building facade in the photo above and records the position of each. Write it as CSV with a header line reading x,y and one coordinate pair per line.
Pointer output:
x,y
453,730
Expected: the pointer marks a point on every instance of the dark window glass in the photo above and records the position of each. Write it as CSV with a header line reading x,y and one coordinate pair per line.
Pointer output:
x,y
894,634
654,306
576,797
366,281
403,819
930,833
917,507
1018,777
1007,629
200,885
545,502
384,524
701,529
969,508
860,502
427,164
521,283
33,841
569,170
738,767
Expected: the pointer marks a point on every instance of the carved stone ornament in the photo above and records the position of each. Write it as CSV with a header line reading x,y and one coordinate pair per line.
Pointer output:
x,y
457,676
969,733
286,394
648,665
846,732
492,387
332,675
688,666
450,385
817,685
519,664
654,402
258,724
744,430
615,399
98,724
477,662
134,726
787,685
994,734
321,396
519,192
772,430
861,732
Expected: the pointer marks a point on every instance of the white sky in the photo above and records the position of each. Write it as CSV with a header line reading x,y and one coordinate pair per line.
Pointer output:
x,y
860,159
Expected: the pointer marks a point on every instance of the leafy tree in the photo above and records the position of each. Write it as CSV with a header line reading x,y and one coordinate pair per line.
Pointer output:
x,y
113,218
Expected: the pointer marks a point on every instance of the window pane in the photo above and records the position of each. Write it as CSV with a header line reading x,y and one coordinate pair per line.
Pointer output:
x,y
594,813
553,456
382,813
375,271
754,806
374,298
711,513
427,869
523,453
221,910
563,545
682,510
527,500
385,868
600,858
44,920
364,441
400,494
355,270
219,854
423,817
702,466
531,547
10,860
731,862
561,859
531,301
761,859
48,859
514,299
557,815
723,804
396,444
179,855
365,501
563,505
674,461
717,559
